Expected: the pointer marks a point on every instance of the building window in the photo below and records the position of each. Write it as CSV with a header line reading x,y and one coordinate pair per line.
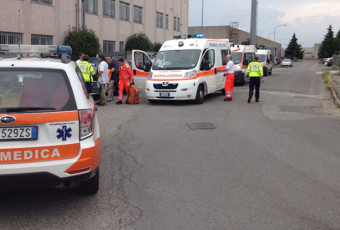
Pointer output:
x,y
109,8
109,47
48,2
121,46
176,24
159,20
10,38
166,21
91,6
124,11
137,14
37,39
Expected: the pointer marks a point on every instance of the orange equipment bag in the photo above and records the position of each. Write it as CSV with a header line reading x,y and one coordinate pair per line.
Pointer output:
x,y
133,97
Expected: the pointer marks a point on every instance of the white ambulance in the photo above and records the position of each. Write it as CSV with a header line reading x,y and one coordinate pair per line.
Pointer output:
x,y
242,55
185,69
49,130
265,58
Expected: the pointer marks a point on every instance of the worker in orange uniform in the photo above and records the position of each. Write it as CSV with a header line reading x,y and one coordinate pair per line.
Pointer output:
x,y
230,78
125,79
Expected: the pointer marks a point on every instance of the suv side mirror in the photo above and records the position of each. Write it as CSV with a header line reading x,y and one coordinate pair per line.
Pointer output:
x,y
95,87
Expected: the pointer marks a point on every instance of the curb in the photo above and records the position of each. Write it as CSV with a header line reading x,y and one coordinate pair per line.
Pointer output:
x,y
333,90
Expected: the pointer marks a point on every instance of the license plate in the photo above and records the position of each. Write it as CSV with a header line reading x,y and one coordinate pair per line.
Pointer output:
x,y
164,94
18,133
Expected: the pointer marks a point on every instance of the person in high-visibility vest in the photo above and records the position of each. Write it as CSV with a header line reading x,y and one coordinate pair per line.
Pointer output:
x,y
255,73
87,71
125,78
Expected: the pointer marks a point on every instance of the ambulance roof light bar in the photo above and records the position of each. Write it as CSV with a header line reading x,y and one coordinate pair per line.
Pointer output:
x,y
189,36
36,49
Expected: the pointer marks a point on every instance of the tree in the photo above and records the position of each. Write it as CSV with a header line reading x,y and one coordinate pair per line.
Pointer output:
x,y
82,40
328,45
294,49
156,46
337,42
138,41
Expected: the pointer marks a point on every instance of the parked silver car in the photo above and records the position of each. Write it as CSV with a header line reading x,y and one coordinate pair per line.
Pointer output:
x,y
286,63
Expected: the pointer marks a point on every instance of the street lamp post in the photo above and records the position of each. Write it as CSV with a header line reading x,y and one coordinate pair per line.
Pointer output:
x,y
275,40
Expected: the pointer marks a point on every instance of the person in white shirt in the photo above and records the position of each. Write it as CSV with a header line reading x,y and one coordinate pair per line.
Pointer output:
x,y
230,78
80,60
103,78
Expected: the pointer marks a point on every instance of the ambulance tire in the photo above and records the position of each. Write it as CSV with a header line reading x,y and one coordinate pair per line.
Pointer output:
x,y
91,186
243,82
200,95
223,92
270,72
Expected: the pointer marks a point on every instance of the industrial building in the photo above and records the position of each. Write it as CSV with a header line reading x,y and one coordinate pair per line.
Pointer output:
x,y
238,36
47,21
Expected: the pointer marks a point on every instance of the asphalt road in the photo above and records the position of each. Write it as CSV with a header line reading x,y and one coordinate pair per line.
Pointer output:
x,y
268,165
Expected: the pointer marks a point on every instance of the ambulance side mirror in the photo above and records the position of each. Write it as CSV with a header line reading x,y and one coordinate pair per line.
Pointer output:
x,y
245,62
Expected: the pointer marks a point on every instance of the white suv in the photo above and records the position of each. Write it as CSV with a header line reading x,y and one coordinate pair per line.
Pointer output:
x,y
49,131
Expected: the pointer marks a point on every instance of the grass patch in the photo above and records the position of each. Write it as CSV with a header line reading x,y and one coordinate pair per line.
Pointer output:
x,y
325,77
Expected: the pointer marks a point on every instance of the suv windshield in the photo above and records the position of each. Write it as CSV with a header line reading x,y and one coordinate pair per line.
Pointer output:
x,y
262,57
237,56
176,59
24,90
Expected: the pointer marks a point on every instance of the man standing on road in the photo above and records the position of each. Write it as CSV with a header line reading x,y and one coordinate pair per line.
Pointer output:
x,y
87,71
113,67
103,78
230,78
125,79
255,73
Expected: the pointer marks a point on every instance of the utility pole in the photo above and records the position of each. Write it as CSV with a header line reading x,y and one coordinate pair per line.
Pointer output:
x,y
253,23
83,14
202,15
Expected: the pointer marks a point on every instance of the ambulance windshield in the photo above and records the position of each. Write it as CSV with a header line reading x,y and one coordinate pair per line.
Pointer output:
x,y
237,56
34,89
262,57
176,59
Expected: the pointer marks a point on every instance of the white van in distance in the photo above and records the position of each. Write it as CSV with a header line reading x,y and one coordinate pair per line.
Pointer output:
x,y
185,69
242,55
265,58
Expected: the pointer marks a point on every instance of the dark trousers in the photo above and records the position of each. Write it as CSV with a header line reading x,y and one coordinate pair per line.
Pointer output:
x,y
255,82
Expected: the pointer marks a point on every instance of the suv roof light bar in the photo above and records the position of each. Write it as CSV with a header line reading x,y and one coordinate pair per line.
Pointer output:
x,y
36,49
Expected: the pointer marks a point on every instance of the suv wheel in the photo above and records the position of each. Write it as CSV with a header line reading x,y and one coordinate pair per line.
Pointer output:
x,y
91,186
200,95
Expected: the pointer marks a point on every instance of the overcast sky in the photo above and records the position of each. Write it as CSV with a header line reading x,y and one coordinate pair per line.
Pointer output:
x,y
309,19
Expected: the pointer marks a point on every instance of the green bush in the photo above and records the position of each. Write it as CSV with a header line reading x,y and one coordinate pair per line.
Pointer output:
x,y
156,46
138,41
82,40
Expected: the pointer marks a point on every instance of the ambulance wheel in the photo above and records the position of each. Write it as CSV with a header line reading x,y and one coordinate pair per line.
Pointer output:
x,y
200,95
91,186
223,92
270,73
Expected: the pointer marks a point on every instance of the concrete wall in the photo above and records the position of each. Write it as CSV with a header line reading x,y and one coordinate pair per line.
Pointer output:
x,y
220,32
55,20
